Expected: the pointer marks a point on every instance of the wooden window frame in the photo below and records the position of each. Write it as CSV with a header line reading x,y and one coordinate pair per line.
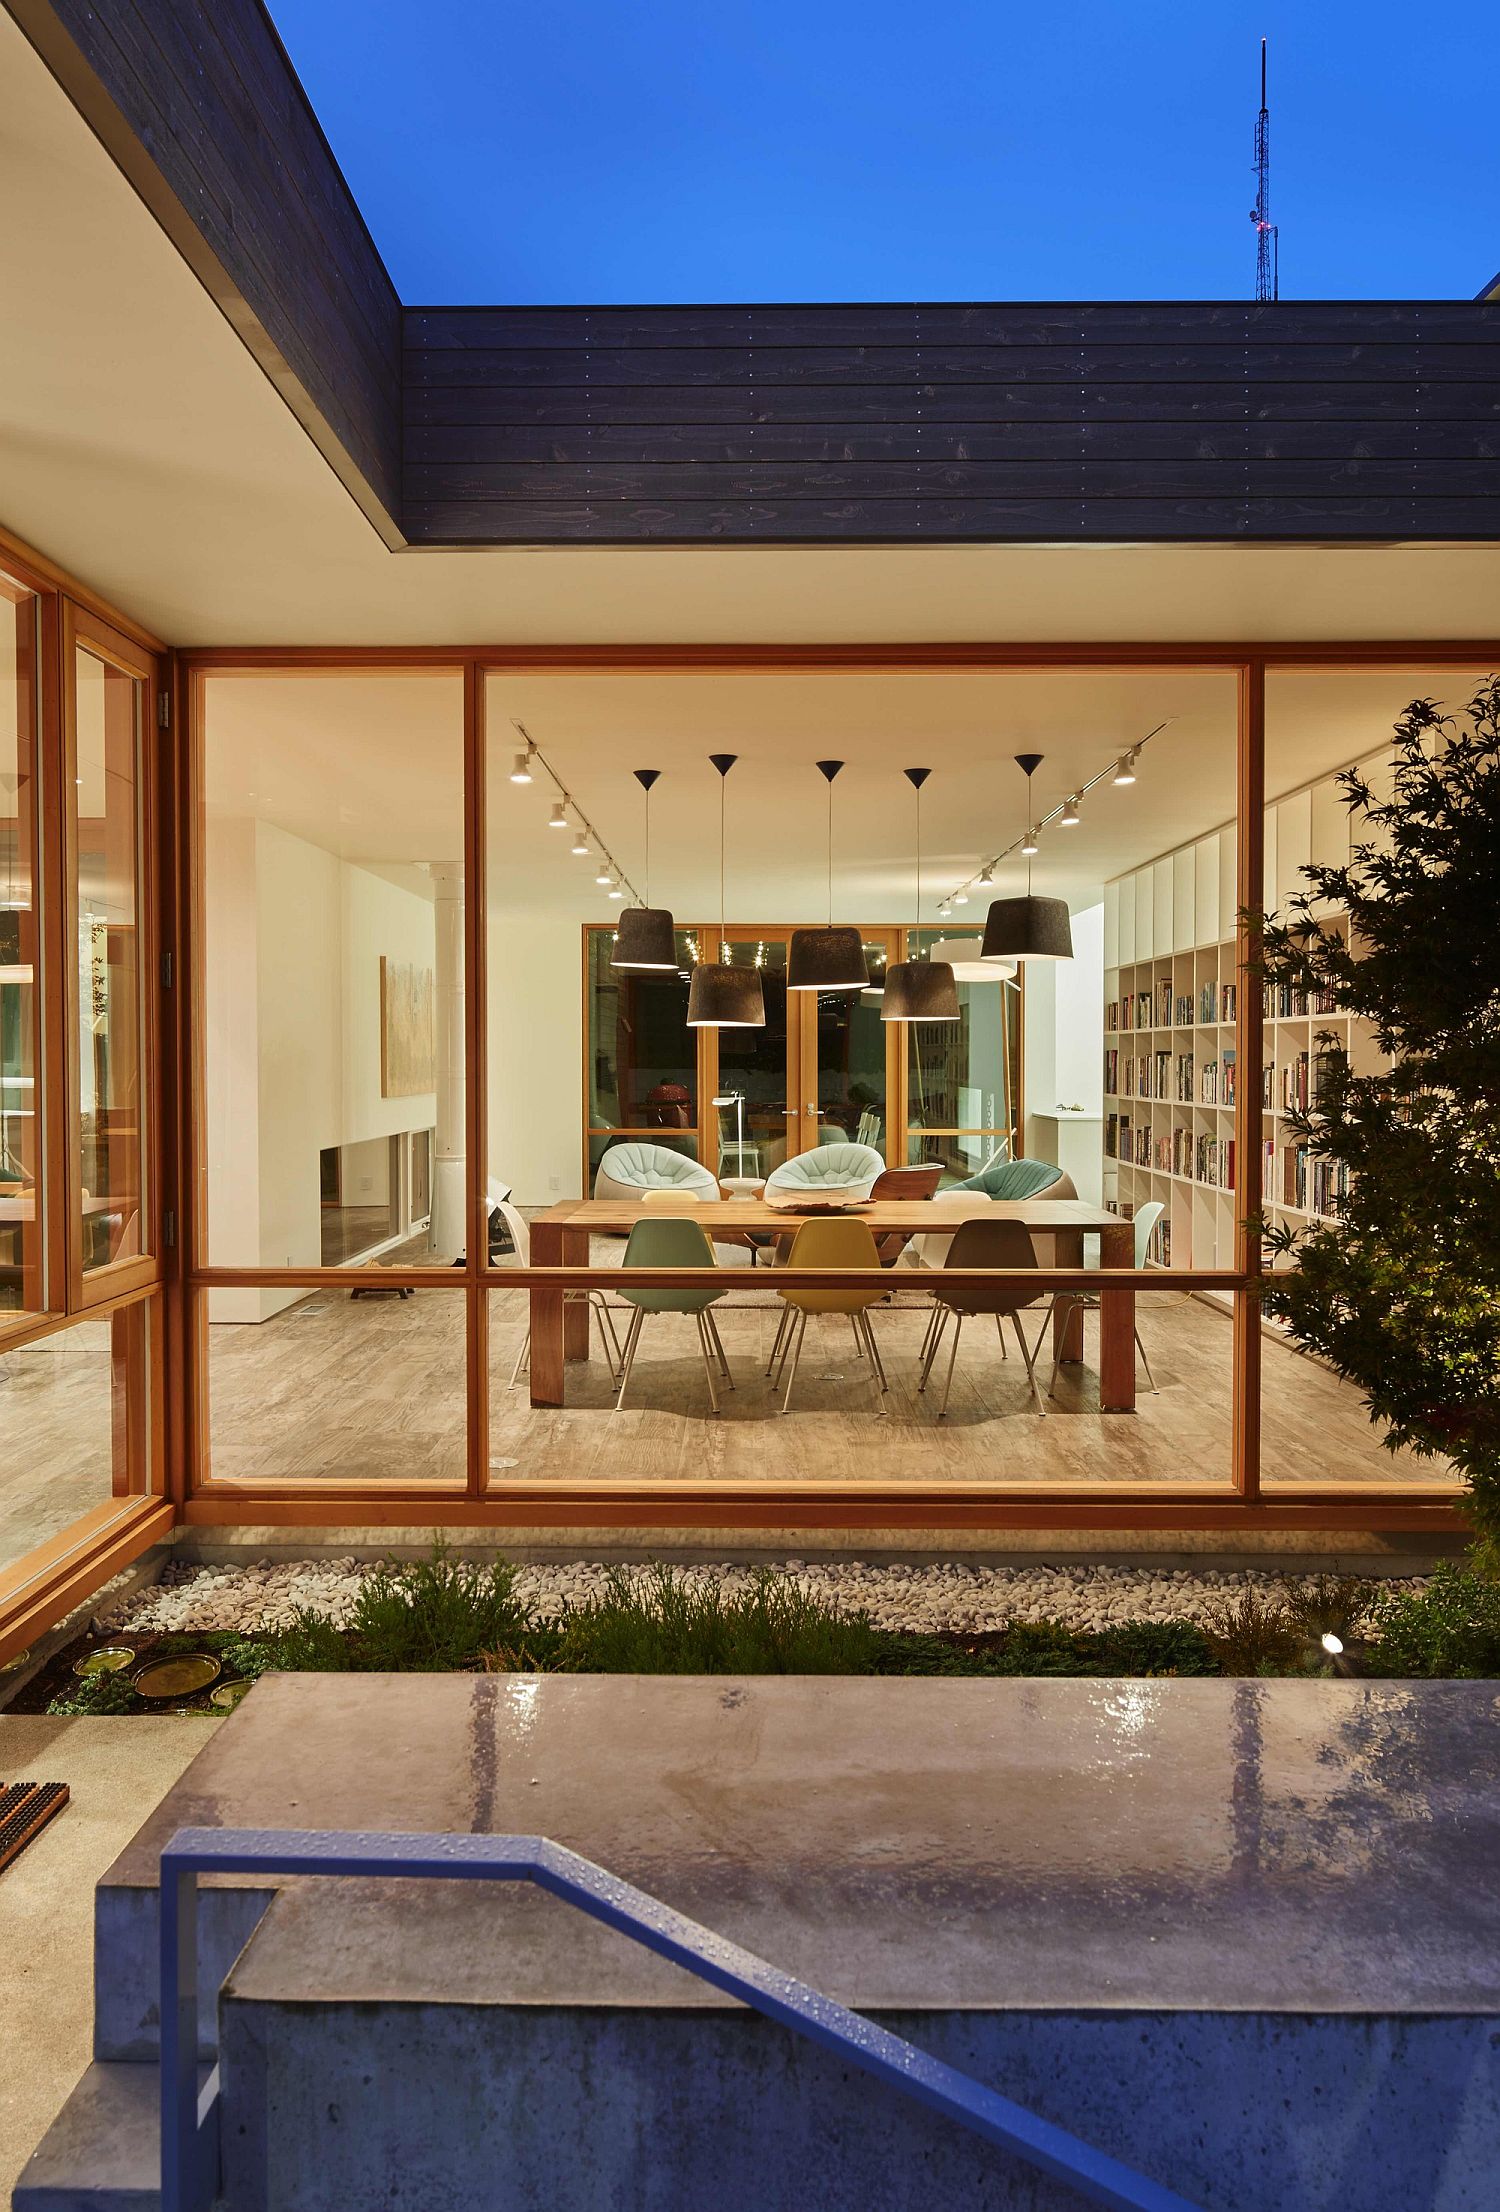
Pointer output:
x,y
1235,1503
135,1297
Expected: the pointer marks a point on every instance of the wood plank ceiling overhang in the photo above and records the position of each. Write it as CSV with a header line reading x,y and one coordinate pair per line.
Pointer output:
x,y
1104,422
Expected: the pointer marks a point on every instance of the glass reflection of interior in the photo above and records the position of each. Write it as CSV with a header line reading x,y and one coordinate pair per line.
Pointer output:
x,y
21,1287
643,1066
755,1110
107,807
962,1102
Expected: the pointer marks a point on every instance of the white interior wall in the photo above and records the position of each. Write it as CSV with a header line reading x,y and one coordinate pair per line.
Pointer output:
x,y
536,1057
294,1065
1063,1022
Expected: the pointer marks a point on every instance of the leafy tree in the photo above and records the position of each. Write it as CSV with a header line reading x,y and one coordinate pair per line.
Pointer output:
x,y
1401,1293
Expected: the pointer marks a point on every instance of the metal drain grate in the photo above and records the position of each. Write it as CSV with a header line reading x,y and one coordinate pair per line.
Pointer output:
x,y
25,1809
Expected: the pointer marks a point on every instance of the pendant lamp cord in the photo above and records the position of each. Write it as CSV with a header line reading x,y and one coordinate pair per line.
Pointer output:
x,y
648,844
723,948
1030,829
830,852
919,857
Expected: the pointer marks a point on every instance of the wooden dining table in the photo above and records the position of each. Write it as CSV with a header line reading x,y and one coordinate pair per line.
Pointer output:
x,y
560,1238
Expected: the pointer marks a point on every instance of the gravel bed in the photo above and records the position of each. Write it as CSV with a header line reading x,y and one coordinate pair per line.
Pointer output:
x,y
948,1596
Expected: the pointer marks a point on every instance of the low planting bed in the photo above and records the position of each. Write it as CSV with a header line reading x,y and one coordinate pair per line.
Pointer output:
x,y
441,1615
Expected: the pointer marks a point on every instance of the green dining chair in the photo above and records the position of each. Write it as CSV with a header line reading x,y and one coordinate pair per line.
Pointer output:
x,y
672,1243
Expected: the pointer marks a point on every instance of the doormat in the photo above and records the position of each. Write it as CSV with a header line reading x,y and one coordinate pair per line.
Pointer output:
x,y
25,1809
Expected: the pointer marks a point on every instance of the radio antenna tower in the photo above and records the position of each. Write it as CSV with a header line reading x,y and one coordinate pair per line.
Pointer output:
x,y
1267,249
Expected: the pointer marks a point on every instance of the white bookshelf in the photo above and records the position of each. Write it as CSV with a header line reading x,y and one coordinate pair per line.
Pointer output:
x,y
1169,965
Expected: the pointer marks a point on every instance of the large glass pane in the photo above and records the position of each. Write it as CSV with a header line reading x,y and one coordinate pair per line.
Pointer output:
x,y
74,1424
111,1058
851,1078
642,1057
21,1278
333,987
756,1115
962,1093
364,1385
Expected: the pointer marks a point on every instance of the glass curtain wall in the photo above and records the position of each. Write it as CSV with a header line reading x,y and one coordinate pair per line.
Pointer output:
x,y
80,1311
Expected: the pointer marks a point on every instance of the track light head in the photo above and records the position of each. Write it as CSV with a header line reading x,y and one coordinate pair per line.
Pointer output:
x,y
558,818
1070,816
580,845
520,771
960,898
1031,844
986,875
604,879
1125,769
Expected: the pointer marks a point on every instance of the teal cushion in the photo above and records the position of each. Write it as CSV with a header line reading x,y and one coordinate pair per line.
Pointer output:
x,y
1014,1179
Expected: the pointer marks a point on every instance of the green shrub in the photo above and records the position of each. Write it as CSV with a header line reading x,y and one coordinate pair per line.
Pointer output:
x,y
312,1645
245,1658
1451,1628
675,1625
95,1694
428,1616
1253,1635
1327,1605
1049,1648
435,1614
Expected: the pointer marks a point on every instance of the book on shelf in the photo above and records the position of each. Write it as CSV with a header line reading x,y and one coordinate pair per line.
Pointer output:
x,y
1112,1016
1229,1002
1112,1074
1185,1077
1296,1084
1112,1136
1182,1011
1226,1076
1163,1066
1164,1004
1207,999
1208,1083
1268,1085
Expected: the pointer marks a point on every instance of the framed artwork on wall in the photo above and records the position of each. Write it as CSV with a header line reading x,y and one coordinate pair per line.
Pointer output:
x,y
408,1044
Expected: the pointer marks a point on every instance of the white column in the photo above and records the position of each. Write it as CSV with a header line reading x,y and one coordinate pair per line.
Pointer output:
x,y
449,1227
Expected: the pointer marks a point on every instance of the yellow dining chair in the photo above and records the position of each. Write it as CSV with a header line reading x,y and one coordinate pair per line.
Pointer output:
x,y
834,1243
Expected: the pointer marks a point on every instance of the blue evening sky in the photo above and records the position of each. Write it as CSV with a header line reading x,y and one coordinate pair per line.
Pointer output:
x,y
599,151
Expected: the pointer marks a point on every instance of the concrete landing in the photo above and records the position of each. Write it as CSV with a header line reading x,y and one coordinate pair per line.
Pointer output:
x,y
1245,1935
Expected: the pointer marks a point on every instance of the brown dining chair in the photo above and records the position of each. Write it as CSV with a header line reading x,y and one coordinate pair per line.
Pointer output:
x,y
996,1244
903,1182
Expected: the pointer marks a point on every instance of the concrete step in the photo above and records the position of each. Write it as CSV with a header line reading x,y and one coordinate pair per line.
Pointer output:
x,y
102,2152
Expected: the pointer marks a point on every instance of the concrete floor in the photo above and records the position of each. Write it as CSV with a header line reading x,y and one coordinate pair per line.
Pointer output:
x,y
118,1773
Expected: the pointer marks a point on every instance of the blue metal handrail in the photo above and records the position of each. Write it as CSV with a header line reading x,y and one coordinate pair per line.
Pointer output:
x,y
190,2116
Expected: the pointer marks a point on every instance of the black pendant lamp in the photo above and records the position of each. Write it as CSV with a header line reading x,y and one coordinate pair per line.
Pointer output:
x,y
827,959
646,939
919,990
1028,928
719,996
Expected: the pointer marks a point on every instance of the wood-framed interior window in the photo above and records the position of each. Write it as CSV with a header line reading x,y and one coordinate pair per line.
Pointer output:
x,y
110,969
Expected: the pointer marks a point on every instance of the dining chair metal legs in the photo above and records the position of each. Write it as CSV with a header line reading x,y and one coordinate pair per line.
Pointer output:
x,y
706,1347
608,1340
788,1315
794,1350
709,1345
941,1316
1086,1304
1029,1354
712,1327
958,1330
632,1338
866,1328
1031,1358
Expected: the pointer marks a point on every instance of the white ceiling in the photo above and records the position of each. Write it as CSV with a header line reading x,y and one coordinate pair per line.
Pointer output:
x,y
142,448
370,766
